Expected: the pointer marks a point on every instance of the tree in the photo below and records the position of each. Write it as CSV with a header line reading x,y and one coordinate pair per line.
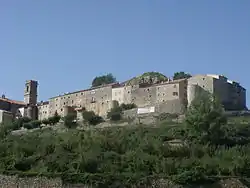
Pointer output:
x,y
115,114
128,106
181,75
205,119
102,80
54,119
69,120
91,117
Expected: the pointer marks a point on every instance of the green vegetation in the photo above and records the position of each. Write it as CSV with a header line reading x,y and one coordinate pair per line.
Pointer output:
x,y
160,77
209,148
91,118
181,75
115,114
103,80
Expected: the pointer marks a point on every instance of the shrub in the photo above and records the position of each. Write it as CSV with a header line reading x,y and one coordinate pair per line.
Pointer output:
x,y
128,106
91,118
115,114
18,123
28,125
35,124
45,122
54,119
69,120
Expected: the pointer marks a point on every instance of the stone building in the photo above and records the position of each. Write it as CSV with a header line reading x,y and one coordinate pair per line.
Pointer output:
x,y
10,109
166,95
231,94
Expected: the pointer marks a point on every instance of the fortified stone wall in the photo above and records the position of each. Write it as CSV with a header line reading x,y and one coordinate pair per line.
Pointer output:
x,y
6,117
35,182
173,107
100,99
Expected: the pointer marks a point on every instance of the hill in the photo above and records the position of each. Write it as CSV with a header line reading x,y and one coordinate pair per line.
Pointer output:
x,y
204,150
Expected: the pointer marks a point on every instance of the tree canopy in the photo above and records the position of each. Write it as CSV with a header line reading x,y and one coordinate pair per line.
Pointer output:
x,y
181,75
104,79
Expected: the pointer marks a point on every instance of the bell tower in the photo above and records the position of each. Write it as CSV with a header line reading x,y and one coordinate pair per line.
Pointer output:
x,y
30,92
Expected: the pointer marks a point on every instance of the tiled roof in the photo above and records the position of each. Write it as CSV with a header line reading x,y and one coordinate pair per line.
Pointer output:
x,y
13,101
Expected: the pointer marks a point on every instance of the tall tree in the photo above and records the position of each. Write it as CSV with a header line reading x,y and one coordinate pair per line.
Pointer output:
x,y
181,75
104,79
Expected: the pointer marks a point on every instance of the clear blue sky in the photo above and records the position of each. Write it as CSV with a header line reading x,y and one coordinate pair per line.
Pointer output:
x,y
64,44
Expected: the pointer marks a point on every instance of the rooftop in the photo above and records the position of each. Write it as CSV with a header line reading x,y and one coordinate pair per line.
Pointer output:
x,y
12,101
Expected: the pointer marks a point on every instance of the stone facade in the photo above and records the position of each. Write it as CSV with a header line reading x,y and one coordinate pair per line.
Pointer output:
x,y
143,94
231,94
99,99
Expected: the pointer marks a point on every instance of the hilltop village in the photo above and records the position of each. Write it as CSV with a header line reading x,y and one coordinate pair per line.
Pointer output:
x,y
148,90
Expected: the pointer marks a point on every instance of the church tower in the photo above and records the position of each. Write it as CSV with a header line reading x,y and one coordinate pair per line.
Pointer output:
x,y
30,92
30,98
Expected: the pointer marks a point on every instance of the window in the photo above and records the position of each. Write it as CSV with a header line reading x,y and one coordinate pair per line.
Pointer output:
x,y
174,86
76,95
93,100
72,101
61,109
150,96
27,88
81,93
175,93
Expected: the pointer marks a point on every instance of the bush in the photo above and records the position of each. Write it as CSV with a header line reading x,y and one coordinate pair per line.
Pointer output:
x,y
115,114
18,123
128,106
35,124
28,125
54,119
45,122
91,118
69,120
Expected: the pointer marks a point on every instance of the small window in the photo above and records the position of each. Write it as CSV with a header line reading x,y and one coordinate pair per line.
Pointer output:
x,y
76,95
64,103
61,109
150,96
203,78
72,101
175,93
81,93
174,86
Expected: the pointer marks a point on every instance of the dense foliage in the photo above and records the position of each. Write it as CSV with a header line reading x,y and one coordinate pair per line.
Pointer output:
x,y
181,75
91,118
102,80
118,156
115,114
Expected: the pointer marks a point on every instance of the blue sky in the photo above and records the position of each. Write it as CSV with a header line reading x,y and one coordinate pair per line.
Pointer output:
x,y
64,44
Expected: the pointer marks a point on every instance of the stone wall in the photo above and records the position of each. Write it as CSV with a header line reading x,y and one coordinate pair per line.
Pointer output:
x,y
34,182
6,117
